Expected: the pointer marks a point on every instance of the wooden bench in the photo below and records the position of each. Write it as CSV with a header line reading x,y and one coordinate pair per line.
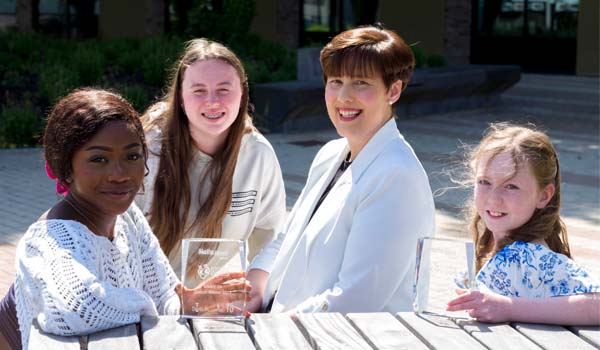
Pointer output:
x,y
405,330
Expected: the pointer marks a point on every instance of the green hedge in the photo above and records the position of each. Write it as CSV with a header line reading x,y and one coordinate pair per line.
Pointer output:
x,y
19,125
36,71
423,60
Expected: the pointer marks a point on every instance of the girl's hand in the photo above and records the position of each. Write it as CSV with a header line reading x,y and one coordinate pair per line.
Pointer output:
x,y
255,303
217,295
484,307
258,280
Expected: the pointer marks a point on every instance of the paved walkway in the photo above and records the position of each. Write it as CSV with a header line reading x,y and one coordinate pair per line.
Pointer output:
x,y
568,107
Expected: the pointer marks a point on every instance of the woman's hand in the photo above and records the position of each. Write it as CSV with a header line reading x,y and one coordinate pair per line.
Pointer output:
x,y
221,294
484,307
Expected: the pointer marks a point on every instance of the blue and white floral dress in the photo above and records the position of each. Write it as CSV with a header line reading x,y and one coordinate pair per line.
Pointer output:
x,y
533,271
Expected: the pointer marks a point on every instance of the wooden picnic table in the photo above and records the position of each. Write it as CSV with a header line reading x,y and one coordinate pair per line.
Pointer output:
x,y
405,330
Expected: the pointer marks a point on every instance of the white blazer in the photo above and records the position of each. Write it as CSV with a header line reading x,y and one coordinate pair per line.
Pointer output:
x,y
357,253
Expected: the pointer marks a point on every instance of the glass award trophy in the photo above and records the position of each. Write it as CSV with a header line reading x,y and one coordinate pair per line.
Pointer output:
x,y
442,266
211,273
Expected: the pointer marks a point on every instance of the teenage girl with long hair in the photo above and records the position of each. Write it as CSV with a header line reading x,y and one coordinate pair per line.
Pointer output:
x,y
211,173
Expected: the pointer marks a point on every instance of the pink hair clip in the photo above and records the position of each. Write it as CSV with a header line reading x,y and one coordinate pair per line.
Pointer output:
x,y
60,189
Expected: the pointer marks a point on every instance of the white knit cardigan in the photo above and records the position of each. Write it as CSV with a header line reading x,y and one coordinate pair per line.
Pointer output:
x,y
75,282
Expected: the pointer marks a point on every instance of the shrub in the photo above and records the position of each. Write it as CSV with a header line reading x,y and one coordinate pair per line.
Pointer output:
x,y
137,95
41,69
56,81
264,60
318,28
112,49
257,71
19,126
123,53
89,63
233,18
419,56
58,51
24,45
10,62
158,55
436,60
424,60
286,71
13,80
230,25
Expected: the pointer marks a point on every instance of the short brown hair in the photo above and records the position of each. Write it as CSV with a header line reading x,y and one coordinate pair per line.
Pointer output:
x,y
368,51
76,118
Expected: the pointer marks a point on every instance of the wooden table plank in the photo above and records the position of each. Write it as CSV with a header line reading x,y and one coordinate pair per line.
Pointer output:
x,y
590,333
40,340
385,332
497,336
438,332
216,334
552,337
276,332
330,331
125,337
166,332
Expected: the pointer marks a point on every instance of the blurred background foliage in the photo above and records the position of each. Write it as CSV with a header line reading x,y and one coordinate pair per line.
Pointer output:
x,y
38,69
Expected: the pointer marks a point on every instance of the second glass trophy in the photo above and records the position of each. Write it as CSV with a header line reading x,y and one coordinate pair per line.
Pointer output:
x,y
442,266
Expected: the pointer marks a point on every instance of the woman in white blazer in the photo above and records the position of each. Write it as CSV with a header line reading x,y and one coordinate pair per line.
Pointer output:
x,y
350,241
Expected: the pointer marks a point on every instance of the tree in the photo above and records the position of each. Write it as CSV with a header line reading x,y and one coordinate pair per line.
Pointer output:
x,y
28,14
288,24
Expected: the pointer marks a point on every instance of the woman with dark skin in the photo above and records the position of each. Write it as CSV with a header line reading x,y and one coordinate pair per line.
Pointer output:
x,y
91,262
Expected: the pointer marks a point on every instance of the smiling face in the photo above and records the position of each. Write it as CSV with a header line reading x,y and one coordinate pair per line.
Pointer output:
x,y
506,196
211,92
107,170
359,107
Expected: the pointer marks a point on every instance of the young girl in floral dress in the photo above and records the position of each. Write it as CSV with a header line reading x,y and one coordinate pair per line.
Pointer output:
x,y
523,256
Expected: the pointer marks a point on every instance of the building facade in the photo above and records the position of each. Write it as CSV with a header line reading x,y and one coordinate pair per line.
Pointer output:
x,y
557,36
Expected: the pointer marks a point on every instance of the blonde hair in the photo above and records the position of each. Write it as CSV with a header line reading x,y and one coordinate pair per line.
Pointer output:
x,y
170,208
528,147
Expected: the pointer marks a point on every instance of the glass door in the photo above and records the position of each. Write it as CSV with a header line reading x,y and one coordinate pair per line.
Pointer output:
x,y
323,19
538,35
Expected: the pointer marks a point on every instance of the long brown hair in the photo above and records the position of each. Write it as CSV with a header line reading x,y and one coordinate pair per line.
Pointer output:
x,y
532,148
171,201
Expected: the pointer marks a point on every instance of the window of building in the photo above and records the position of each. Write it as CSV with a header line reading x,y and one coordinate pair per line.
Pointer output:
x,y
538,35
70,18
541,18
323,19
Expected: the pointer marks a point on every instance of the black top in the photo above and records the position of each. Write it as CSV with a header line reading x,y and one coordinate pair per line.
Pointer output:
x,y
345,165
